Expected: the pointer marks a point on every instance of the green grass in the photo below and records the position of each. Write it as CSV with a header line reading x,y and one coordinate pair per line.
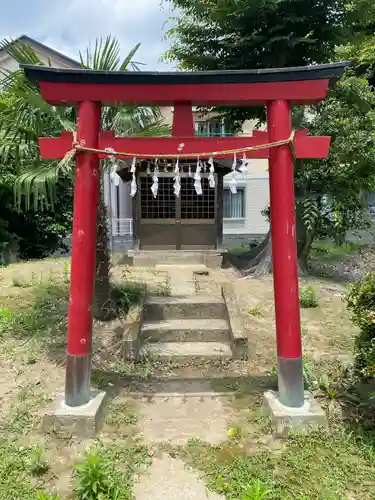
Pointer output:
x,y
121,414
108,467
329,252
128,293
44,316
239,250
329,464
16,481
256,311
314,466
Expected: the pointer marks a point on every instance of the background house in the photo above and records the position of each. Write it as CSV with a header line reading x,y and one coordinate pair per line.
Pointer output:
x,y
49,56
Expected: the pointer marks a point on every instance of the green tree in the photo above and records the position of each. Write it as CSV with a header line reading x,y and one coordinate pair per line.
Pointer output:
x,y
347,116
28,117
361,48
245,34
32,234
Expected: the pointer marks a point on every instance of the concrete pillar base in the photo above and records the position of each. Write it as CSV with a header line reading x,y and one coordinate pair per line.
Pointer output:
x,y
285,419
83,421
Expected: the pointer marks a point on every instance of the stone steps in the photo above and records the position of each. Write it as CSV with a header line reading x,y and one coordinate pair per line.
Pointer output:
x,y
151,258
185,327
185,351
184,307
186,330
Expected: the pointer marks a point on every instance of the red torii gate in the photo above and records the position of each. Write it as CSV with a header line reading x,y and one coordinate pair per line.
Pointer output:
x,y
277,89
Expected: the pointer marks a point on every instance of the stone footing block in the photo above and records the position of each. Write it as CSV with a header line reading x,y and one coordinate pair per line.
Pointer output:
x,y
83,421
285,419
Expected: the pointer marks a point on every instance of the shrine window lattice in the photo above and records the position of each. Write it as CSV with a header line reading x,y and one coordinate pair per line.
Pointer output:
x,y
165,205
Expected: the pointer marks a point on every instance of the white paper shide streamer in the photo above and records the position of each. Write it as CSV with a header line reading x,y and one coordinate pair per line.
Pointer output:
x,y
211,175
155,181
197,179
177,180
115,178
133,185
244,167
233,181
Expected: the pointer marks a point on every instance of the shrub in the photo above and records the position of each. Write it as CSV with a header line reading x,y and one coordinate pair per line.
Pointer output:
x,y
38,464
6,319
92,478
307,297
360,302
127,294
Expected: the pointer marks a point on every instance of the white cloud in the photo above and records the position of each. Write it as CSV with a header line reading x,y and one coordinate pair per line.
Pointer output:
x,y
68,26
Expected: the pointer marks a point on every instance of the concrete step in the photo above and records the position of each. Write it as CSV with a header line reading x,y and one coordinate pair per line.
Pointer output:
x,y
185,351
151,258
186,330
184,307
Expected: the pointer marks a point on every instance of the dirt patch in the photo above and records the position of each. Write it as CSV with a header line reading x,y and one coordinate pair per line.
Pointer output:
x,y
325,329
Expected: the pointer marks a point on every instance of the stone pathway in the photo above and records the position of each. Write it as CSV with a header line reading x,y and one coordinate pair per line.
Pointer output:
x,y
169,479
176,418
175,415
181,278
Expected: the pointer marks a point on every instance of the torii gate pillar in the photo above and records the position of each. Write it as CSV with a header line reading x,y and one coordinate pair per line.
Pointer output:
x,y
86,191
284,256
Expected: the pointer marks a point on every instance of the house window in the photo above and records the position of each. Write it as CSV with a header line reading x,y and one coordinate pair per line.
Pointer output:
x,y
209,128
234,204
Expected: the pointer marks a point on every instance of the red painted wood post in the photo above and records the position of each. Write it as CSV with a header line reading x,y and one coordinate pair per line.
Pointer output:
x,y
86,189
183,121
284,255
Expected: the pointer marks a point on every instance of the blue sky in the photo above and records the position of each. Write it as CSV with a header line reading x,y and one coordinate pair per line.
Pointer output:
x,y
69,25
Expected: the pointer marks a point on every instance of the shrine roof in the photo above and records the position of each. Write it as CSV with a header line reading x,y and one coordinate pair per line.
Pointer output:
x,y
230,87
317,72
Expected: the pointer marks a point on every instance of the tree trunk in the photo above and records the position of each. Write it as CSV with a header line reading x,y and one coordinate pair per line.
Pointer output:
x,y
102,304
303,250
259,259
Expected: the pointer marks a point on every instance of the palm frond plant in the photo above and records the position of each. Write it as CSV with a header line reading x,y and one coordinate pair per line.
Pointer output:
x,y
25,116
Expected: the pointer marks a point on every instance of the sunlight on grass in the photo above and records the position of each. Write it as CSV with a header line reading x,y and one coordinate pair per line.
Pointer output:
x,y
315,466
329,252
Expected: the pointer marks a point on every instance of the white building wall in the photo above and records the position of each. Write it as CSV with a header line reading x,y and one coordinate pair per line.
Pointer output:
x,y
257,197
